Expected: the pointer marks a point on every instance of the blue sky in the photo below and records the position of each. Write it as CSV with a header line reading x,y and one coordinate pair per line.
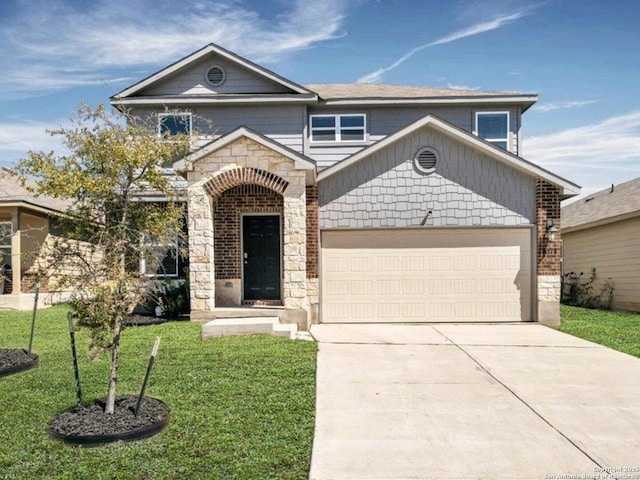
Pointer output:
x,y
581,56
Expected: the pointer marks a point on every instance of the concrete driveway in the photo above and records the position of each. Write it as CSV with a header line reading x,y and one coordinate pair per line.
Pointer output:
x,y
449,401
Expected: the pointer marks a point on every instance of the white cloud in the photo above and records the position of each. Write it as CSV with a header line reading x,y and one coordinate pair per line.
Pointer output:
x,y
550,106
27,135
91,44
615,141
476,29
593,156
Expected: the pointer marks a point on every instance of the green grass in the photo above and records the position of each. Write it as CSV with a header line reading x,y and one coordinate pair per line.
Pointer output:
x,y
241,407
618,330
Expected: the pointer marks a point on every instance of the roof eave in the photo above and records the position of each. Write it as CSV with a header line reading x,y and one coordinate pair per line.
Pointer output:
x,y
32,206
525,100
204,100
601,222
301,162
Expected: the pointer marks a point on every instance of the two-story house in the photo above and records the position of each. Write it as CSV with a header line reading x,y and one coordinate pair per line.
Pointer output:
x,y
357,202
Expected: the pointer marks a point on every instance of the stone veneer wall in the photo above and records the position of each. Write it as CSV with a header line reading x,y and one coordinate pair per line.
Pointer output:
x,y
548,253
201,267
245,153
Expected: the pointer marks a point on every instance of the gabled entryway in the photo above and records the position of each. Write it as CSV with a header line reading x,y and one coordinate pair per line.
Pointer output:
x,y
247,203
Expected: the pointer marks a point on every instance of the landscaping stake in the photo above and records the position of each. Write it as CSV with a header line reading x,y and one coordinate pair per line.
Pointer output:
x,y
75,359
33,319
146,375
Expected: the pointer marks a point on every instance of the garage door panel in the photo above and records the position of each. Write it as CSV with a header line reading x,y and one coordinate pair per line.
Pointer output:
x,y
414,275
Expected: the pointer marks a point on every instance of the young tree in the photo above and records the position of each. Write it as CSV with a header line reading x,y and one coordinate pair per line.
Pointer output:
x,y
114,162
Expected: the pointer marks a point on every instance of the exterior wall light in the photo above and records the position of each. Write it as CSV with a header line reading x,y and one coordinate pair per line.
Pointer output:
x,y
551,231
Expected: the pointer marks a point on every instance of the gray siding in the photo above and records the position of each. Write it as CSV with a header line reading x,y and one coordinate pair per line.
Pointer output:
x,y
467,189
282,123
191,81
384,121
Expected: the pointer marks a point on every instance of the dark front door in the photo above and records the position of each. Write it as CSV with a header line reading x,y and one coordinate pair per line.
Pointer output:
x,y
261,257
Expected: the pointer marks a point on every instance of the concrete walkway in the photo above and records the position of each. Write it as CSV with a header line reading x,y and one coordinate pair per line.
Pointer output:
x,y
471,402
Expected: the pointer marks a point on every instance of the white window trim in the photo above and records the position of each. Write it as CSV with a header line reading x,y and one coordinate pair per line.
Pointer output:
x,y
338,128
507,139
143,263
176,114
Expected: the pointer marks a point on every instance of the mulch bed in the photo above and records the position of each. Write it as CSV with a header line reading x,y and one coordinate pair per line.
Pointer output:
x,y
90,425
14,360
142,320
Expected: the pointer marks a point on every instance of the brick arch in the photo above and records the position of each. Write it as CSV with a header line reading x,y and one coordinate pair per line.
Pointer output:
x,y
245,176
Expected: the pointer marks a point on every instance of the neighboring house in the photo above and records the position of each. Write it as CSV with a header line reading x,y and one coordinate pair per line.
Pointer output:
x,y
602,231
26,224
357,202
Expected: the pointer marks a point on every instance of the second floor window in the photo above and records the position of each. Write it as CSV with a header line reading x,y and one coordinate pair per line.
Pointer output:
x,y
174,124
338,128
493,127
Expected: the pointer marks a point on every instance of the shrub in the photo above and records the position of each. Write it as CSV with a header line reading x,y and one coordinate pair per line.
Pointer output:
x,y
585,293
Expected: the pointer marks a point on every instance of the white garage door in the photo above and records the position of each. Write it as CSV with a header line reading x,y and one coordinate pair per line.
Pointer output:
x,y
443,275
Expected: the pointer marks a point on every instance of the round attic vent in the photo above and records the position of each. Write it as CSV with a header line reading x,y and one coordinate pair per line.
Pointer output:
x,y
216,75
426,159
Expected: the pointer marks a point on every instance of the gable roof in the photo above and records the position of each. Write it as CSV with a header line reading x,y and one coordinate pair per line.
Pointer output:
x,y
12,193
568,189
206,50
301,162
360,93
612,204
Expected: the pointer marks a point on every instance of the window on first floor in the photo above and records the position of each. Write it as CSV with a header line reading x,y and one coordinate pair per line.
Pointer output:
x,y
163,261
338,128
493,127
174,124
6,230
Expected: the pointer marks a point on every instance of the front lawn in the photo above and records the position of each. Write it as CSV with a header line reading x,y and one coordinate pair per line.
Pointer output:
x,y
618,330
241,407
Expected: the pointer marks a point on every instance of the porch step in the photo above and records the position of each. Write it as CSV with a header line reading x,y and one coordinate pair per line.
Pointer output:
x,y
246,312
222,327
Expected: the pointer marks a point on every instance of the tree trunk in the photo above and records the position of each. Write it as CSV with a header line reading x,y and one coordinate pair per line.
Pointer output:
x,y
113,370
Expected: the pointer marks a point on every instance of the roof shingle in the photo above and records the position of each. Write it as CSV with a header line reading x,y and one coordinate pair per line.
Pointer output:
x,y
11,191
622,200
378,90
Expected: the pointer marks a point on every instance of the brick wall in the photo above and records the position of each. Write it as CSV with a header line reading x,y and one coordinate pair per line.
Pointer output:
x,y
312,231
227,211
548,208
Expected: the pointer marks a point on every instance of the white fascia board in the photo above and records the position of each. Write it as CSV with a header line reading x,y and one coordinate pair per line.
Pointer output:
x,y
568,188
301,162
211,48
529,99
305,99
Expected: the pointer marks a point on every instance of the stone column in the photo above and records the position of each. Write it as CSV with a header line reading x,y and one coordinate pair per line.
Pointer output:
x,y
294,249
548,253
201,265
